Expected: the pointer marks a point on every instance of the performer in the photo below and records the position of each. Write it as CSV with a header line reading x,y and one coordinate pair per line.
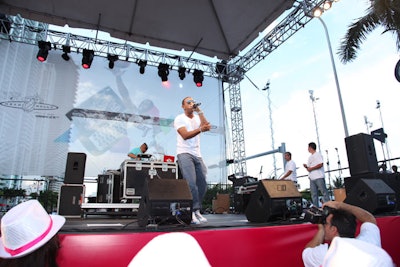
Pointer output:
x,y
133,154
290,168
189,127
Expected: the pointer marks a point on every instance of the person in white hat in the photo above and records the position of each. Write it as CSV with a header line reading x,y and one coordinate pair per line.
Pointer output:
x,y
171,250
29,236
341,222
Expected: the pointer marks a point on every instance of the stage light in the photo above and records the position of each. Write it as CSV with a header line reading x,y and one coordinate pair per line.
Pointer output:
x,y
182,73
142,64
327,4
111,60
87,58
163,71
44,48
66,50
317,12
198,78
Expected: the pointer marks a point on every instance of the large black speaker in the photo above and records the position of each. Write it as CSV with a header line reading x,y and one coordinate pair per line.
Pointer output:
x,y
361,154
274,199
70,200
75,169
165,201
373,195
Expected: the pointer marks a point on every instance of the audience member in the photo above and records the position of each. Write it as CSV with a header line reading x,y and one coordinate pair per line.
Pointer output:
x,y
171,250
29,236
341,222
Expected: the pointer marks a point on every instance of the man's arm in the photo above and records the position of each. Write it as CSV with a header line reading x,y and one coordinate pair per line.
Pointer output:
x,y
289,172
316,167
318,238
360,214
189,134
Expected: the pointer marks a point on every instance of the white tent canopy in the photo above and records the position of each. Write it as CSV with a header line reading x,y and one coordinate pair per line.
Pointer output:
x,y
212,28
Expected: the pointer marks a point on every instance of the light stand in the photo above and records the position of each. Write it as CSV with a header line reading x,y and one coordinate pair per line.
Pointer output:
x,y
329,173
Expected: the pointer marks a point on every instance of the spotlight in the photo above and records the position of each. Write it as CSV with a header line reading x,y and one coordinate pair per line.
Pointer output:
x,y
111,59
317,12
87,58
327,4
182,73
142,64
66,50
163,71
44,48
198,78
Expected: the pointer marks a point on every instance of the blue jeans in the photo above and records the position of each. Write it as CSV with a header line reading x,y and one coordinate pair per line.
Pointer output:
x,y
314,186
194,171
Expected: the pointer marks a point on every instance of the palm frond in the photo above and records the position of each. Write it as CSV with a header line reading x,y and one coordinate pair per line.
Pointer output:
x,y
355,35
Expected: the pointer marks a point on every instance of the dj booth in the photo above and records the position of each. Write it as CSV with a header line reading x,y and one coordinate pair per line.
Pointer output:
x,y
123,189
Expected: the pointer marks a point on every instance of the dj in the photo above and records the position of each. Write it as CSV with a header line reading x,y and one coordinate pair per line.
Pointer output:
x,y
135,152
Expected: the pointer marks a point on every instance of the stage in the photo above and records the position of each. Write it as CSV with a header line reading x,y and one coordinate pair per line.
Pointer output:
x,y
227,240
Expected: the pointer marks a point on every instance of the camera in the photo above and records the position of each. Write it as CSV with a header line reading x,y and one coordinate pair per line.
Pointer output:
x,y
317,216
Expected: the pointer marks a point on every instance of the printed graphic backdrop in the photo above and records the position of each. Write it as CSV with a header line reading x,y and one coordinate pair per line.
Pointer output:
x,y
52,108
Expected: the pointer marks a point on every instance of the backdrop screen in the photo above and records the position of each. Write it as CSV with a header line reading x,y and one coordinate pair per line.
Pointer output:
x,y
49,109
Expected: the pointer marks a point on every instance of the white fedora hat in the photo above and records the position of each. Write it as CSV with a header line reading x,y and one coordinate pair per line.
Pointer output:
x,y
27,227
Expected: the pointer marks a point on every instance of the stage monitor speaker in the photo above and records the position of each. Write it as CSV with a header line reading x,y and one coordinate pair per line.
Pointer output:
x,y
70,200
361,154
373,195
274,199
165,201
75,169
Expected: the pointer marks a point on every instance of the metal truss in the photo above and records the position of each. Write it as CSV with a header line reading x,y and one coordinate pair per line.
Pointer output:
x,y
17,29
293,22
239,155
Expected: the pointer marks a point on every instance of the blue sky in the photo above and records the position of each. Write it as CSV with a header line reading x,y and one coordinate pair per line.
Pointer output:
x,y
303,63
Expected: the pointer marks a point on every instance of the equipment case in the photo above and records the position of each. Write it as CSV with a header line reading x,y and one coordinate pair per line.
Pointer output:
x,y
134,174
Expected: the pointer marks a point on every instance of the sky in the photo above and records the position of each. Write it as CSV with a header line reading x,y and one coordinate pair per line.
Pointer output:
x,y
302,64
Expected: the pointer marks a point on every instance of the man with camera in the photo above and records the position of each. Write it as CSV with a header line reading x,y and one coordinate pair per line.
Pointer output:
x,y
340,220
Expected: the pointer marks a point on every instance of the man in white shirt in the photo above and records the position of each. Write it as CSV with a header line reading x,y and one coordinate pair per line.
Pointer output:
x,y
316,174
341,222
290,168
189,126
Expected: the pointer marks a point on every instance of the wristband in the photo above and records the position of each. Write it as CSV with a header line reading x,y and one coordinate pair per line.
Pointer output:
x,y
200,112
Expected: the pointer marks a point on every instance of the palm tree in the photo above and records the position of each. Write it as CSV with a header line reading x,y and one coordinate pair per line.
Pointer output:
x,y
385,13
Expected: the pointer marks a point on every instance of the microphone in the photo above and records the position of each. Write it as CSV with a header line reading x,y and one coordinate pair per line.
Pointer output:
x,y
195,105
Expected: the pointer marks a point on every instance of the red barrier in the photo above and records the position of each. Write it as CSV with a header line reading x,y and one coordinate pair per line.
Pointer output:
x,y
261,246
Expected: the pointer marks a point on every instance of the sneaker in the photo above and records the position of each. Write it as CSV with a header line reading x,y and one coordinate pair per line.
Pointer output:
x,y
194,219
200,217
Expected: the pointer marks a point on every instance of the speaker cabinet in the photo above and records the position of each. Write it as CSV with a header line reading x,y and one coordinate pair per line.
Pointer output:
x,y
274,199
373,195
70,200
75,169
361,154
165,201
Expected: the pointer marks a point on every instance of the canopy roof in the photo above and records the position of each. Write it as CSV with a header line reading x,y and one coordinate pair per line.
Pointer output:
x,y
220,28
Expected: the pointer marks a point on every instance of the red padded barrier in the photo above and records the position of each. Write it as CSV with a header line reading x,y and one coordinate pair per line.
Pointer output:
x,y
260,246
